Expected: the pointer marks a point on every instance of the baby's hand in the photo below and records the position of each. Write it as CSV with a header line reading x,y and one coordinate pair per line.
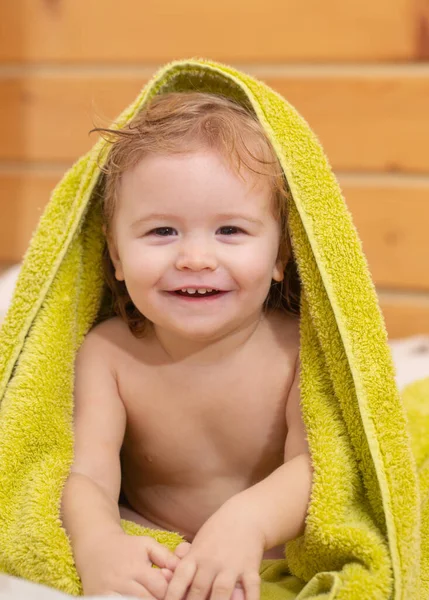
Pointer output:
x,y
226,551
122,564
181,550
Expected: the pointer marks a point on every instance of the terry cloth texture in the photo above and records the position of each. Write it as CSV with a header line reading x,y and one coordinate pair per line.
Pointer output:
x,y
366,534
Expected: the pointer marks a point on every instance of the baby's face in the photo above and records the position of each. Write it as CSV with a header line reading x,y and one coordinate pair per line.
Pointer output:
x,y
189,222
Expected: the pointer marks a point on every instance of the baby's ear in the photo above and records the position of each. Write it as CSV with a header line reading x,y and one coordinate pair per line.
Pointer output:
x,y
114,257
278,271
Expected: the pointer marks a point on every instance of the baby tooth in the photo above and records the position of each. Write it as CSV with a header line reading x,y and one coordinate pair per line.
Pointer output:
x,y
209,290
202,291
191,291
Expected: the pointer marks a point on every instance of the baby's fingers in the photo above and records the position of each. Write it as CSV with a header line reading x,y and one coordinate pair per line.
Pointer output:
x,y
161,556
252,585
134,589
201,585
167,574
223,586
182,579
153,580
182,549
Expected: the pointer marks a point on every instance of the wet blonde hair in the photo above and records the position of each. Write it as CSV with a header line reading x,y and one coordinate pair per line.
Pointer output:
x,y
179,123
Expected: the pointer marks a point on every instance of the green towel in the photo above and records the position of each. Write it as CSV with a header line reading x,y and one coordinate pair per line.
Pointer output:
x,y
366,532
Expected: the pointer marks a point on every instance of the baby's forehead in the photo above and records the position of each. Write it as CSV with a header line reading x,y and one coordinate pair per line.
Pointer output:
x,y
207,173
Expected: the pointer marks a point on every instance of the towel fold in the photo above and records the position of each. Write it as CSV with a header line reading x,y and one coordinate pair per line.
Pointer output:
x,y
366,531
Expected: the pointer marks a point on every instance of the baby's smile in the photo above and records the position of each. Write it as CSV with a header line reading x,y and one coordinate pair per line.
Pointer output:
x,y
198,295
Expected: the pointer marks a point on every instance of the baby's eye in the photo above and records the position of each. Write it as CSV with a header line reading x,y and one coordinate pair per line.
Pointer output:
x,y
230,230
162,231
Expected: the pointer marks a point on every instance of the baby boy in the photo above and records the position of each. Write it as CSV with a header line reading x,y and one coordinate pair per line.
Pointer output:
x,y
187,405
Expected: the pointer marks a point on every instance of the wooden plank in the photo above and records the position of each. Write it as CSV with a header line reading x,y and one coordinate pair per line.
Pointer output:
x,y
48,118
368,120
421,8
391,219
393,224
80,31
22,200
405,315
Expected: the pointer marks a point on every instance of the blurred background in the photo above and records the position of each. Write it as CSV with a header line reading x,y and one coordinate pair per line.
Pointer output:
x,y
357,70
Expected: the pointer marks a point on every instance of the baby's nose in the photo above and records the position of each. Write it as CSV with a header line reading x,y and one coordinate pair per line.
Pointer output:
x,y
196,256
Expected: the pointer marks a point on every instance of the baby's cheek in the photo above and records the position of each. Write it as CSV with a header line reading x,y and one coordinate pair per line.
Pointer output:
x,y
260,274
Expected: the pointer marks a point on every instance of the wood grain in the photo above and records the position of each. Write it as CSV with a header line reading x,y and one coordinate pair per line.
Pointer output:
x,y
371,121
405,315
393,224
23,196
82,31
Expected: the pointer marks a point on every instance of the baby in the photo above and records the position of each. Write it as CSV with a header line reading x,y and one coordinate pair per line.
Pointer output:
x,y
187,405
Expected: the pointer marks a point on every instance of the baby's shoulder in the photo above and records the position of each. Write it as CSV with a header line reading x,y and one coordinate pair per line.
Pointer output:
x,y
114,340
106,338
110,330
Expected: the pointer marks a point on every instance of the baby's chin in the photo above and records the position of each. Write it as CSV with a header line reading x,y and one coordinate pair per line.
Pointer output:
x,y
203,335
199,327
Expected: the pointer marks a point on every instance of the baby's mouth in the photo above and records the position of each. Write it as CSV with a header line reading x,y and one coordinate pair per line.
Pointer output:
x,y
196,293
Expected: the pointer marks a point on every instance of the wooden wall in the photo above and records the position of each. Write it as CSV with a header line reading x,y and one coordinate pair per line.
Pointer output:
x,y
358,71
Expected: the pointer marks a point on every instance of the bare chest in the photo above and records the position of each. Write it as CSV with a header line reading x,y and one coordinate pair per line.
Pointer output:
x,y
218,423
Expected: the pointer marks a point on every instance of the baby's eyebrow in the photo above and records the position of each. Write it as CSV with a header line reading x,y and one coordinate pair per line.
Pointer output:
x,y
169,217
240,216
153,217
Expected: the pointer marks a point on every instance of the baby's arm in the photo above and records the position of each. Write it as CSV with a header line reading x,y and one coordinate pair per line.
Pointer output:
x,y
107,560
90,497
281,500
